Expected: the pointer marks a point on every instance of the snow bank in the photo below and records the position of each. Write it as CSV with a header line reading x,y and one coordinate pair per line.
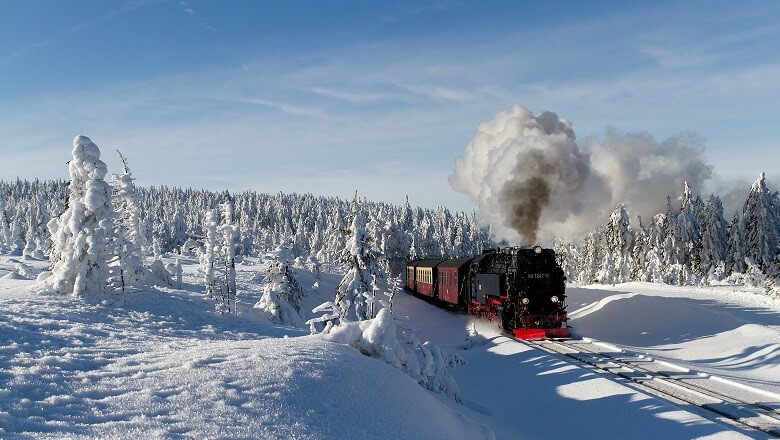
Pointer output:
x,y
424,362
719,330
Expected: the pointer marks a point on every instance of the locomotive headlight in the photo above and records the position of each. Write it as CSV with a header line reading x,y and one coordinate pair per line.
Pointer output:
x,y
538,249
524,301
554,299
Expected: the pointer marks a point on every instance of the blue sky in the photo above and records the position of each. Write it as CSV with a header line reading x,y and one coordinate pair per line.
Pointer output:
x,y
329,97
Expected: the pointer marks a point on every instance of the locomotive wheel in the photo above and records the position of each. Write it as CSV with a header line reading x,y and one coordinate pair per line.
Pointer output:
x,y
508,317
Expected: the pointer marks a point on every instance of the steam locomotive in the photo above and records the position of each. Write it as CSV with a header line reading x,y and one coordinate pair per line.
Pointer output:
x,y
523,288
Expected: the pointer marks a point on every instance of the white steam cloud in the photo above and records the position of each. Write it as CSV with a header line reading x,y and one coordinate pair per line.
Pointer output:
x,y
532,181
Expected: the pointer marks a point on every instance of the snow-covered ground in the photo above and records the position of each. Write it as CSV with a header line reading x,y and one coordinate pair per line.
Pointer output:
x,y
522,392
719,330
161,363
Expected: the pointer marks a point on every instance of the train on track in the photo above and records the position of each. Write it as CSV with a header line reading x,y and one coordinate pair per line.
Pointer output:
x,y
523,288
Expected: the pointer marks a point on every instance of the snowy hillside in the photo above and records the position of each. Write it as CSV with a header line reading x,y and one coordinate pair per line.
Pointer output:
x,y
161,363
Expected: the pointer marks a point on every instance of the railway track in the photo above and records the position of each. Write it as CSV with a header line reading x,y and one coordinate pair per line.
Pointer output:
x,y
725,399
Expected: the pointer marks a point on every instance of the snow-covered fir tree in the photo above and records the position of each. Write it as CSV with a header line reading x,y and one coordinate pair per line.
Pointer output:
x,y
735,253
208,257
82,234
230,235
128,229
282,293
639,252
616,266
688,233
5,228
714,235
361,259
15,243
761,219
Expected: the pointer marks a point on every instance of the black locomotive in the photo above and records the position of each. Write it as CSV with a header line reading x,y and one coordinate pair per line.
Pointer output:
x,y
522,287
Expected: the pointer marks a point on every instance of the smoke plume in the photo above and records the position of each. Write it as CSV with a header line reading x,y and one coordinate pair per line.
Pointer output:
x,y
532,181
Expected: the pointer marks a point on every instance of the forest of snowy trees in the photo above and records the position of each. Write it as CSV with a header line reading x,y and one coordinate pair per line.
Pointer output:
x,y
177,219
690,243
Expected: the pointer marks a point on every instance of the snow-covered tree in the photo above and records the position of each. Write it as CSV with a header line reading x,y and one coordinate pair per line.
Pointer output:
x,y
688,233
670,247
229,239
735,254
15,242
394,286
591,254
5,228
361,259
207,258
714,235
31,237
282,294
616,267
639,252
761,220
128,228
82,234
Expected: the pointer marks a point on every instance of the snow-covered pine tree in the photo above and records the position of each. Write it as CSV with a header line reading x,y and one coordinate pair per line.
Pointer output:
x,y
15,243
81,235
396,247
714,236
639,251
670,249
362,261
568,261
211,245
688,235
735,254
394,286
654,267
31,235
229,238
282,294
762,224
591,258
5,228
314,266
619,241
128,228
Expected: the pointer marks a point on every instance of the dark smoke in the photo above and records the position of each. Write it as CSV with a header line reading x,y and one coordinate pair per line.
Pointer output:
x,y
526,200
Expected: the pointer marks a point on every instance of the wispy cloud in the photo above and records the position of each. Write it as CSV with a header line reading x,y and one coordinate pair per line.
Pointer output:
x,y
355,97
69,30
